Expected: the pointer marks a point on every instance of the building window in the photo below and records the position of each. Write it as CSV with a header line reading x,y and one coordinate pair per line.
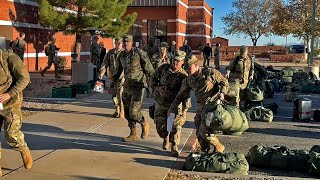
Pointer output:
x,y
158,29
136,31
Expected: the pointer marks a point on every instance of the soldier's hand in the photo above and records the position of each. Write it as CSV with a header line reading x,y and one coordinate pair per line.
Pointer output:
x,y
221,96
251,77
4,97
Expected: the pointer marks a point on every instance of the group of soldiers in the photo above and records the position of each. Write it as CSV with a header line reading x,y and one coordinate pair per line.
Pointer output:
x,y
172,75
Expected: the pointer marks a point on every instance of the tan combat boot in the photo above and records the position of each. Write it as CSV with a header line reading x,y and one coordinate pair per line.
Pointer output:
x,y
165,144
132,137
145,130
175,151
116,114
216,143
196,146
26,157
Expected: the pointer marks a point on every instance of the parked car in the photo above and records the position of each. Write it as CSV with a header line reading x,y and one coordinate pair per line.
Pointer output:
x,y
296,48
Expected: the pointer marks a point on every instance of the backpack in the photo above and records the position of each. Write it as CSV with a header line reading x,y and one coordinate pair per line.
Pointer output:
x,y
231,163
47,50
269,91
287,75
255,94
259,113
276,84
278,157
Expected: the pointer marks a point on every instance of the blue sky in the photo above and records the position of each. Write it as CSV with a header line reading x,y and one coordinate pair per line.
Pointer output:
x,y
221,8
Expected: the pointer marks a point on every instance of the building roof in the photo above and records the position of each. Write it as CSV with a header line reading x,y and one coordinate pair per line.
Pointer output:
x,y
154,3
220,38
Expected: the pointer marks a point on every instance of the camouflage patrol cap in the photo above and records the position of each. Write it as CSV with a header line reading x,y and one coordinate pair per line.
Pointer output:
x,y
117,39
243,49
127,37
180,55
191,61
164,44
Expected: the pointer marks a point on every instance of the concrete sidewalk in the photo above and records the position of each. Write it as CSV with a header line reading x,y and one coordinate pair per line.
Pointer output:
x,y
82,141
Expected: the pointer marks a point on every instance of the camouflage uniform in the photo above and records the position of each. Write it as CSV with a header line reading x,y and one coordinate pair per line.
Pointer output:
x,y
14,78
112,62
217,58
240,70
52,55
95,54
157,61
18,47
136,67
260,75
206,86
164,77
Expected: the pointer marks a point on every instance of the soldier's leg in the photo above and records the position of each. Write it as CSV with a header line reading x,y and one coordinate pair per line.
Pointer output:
x,y
135,111
131,123
197,122
15,138
50,61
160,119
175,134
119,97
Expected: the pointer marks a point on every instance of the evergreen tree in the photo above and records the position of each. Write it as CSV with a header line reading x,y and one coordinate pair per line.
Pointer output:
x,y
77,16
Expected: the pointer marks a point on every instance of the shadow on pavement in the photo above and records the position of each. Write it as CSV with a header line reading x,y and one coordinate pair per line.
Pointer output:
x,y
286,132
155,162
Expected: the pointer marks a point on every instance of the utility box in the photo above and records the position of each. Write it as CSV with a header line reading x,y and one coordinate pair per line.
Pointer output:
x,y
82,72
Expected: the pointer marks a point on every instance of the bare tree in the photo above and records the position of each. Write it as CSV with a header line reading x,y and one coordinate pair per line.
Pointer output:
x,y
295,18
250,18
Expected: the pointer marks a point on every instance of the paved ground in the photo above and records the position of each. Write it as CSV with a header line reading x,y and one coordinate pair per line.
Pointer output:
x,y
82,141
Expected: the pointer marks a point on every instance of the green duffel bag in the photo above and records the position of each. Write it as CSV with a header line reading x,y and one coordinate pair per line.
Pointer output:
x,y
234,88
255,94
314,163
259,113
278,157
231,163
287,72
229,119
315,148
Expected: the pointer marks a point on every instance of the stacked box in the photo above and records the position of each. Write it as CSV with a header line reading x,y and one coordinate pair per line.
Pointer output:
x,y
82,88
63,92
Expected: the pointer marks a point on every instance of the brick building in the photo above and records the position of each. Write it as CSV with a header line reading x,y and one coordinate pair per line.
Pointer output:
x,y
220,40
167,20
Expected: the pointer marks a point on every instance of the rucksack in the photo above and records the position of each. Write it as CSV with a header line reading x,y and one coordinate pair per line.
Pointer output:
x,y
278,157
259,113
231,163
255,94
269,92
276,84
47,50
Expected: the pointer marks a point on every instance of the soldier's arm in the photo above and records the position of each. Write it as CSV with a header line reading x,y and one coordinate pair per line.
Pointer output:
x,y
104,65
20,74
116,76
183,94
146,64
231,65
154,80
221,80
251,71
96,50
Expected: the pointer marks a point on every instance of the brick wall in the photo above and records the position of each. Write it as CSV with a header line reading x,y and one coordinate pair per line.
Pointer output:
x,y
286,57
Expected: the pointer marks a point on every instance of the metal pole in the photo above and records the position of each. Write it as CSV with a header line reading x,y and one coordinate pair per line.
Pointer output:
x,y
310,63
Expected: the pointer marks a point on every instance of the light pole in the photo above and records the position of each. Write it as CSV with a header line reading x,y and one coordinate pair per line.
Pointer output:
x,y
314,8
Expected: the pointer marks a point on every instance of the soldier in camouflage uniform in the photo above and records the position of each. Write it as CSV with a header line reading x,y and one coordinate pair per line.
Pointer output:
x,y
52,50
136,67
95,51
240,71
160,58
14,78
217,57
151,49
18,46
111,63
166,83
207,84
